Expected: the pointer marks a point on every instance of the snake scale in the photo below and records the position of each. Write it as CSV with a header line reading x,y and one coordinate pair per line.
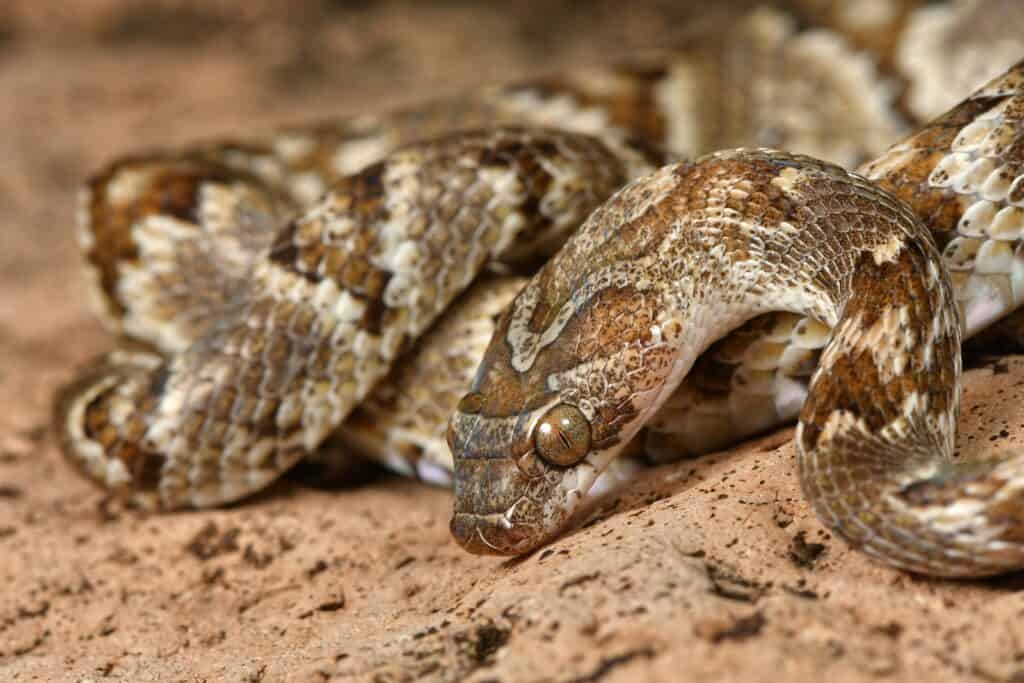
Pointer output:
x,y
356,273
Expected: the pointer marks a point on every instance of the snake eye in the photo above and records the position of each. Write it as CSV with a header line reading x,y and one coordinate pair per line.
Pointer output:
x,y
562,437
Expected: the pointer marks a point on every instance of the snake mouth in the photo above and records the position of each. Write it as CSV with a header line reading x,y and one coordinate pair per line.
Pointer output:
x,y
504,508
519,529
497,510
492,534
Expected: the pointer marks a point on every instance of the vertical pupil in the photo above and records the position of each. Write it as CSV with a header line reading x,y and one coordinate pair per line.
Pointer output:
x,y
563,436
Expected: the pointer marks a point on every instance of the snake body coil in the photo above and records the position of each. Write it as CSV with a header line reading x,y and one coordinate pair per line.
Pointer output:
x,y
701,302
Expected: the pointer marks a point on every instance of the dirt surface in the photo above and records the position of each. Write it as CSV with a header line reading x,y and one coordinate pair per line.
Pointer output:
x,y
711,570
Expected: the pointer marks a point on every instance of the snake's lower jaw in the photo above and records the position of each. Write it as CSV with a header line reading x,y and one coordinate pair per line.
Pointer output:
x,y
498,508
492,535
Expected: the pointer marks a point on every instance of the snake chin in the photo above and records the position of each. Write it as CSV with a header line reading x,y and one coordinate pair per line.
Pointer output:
x,y
492,534
507,533
505,508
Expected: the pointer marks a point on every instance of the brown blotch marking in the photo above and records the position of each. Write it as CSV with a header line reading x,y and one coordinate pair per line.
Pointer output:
x,y
523,157
173,189
853,382
366,188
1009,515
286,253
374,313
945,488
146,466
361,197
629,242
951,487
764,203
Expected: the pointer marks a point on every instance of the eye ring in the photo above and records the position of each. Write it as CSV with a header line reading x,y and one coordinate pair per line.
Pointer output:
x,y
562,436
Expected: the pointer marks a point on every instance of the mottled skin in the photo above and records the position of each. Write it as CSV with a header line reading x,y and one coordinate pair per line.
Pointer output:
x,y
678,259
267,314
320,315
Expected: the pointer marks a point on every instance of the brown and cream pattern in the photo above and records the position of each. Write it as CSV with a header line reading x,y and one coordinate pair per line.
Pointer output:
x,y
336,274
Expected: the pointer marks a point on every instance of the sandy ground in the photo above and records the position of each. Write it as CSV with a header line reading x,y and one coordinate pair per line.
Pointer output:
x,y
710,570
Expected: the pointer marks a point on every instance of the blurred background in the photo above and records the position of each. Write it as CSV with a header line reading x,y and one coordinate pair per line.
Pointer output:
x,y
86,80
89,79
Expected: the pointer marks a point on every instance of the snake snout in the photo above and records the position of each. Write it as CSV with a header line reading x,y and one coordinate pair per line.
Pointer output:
x,y
495,510
485,534
485,495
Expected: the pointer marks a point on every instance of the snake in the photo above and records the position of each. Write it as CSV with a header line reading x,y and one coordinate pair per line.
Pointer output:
x,y
607,295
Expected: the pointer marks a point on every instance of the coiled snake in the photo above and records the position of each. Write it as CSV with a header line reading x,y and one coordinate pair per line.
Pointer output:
x,y
262,311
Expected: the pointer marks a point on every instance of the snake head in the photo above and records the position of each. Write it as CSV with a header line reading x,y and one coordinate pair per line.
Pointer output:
x,y
583,355
561,390
509,499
